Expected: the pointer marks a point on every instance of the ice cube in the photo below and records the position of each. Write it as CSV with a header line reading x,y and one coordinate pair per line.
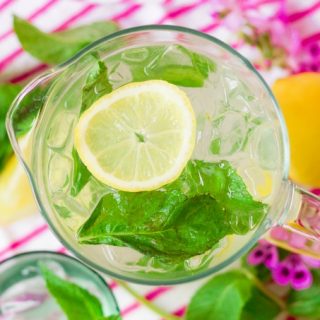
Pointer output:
x,y
70,210
60,130
60,170
228,133
265,146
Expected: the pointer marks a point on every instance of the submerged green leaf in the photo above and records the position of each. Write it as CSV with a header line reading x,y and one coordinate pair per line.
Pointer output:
x,y
175,64
27,112
81,174
182,219
96,85
60,46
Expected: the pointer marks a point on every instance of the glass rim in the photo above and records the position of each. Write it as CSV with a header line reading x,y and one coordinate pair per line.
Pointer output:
x,y
66,257
149,281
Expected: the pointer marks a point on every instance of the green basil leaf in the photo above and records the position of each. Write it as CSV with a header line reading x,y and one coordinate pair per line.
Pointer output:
x,y
306,303
113,317
58,47
76,302
7,94
223,297
260,305
96,85
180,220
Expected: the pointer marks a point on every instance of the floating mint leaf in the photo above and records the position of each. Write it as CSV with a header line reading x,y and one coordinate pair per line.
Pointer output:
x,y
180,220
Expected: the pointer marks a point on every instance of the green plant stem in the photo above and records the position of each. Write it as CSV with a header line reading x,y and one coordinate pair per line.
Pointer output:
x,y
147,303
264,289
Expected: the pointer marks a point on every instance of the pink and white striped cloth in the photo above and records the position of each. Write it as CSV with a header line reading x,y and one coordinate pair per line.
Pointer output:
x,y
17,66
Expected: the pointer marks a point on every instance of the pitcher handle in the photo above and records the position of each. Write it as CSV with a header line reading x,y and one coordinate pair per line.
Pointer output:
x,y
300,232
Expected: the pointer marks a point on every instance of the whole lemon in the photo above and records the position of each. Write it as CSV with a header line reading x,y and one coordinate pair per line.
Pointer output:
x,y
299,99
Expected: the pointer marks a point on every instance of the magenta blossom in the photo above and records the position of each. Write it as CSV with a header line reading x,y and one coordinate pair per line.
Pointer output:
x,y
265,253
292,271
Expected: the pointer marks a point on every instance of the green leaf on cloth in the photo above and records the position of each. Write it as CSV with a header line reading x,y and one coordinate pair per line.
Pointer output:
x,y
260,305
223,297
58,47
8,92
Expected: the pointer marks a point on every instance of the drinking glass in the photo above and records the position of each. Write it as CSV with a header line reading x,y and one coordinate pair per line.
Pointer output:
x,y
23,293
238,120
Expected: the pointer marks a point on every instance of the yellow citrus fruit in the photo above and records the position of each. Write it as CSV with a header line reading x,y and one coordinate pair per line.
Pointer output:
x,y
16,198
299,99
139,137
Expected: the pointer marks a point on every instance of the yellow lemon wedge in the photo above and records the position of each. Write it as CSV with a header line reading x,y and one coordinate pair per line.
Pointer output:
x,y
16,198
299,97
139,137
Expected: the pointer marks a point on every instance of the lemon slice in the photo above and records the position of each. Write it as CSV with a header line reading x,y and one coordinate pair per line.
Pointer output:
x,y
139,137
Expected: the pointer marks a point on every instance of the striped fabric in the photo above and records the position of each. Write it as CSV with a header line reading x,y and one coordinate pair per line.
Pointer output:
x,y
17,66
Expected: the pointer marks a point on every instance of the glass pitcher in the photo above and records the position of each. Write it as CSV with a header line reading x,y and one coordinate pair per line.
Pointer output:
x,y
237,120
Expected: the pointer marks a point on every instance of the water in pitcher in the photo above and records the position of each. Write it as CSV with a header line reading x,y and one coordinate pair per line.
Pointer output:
x,y
232,124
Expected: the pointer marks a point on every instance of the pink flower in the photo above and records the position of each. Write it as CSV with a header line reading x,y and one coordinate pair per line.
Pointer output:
x,y
292,271
282,274
302,278
265,253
